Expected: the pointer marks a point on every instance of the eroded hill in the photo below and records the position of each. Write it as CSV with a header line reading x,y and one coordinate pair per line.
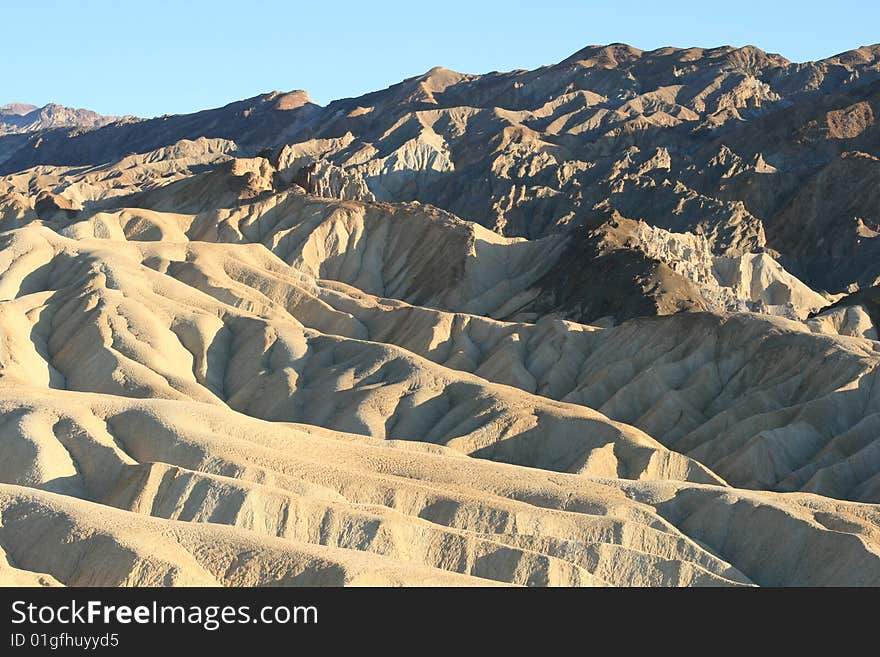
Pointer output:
x,y
585,325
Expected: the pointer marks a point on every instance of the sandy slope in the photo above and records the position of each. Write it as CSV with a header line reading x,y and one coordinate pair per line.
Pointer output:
x,y
333,497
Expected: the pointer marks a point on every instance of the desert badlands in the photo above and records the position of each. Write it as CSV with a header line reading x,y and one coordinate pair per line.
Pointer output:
x,y
610,322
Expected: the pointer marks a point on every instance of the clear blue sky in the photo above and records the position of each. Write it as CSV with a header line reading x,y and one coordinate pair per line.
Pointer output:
x,y
161,56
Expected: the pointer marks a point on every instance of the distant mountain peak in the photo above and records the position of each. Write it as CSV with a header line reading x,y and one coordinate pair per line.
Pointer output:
x,y
609,56
17,118
288,100
18,109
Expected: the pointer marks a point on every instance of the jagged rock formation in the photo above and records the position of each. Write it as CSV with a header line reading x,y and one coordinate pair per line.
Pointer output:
x,y
595,324
741,148
17,118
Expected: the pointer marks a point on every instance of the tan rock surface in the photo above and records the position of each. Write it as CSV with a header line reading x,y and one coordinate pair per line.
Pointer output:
x,y
579,326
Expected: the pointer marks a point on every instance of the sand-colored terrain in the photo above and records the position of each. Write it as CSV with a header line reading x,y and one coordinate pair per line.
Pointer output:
x,y
228,366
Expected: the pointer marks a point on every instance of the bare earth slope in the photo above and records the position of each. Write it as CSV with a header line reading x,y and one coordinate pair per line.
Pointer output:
x,y
531,328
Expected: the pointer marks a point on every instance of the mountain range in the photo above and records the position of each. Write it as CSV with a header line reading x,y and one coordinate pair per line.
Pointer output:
x,y
611,321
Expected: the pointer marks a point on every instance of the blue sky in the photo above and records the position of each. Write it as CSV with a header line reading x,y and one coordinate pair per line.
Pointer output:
x,y
162,56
